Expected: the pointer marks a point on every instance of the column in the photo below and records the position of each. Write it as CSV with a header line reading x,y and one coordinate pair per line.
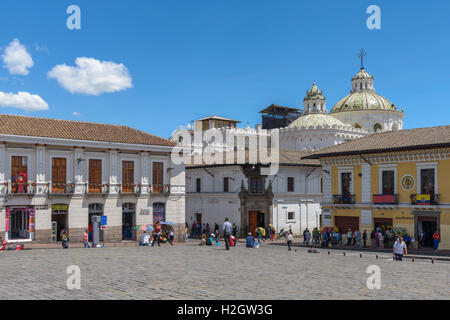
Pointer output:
x,y
366,196
144,173
326,183
114,172
40,171
80,187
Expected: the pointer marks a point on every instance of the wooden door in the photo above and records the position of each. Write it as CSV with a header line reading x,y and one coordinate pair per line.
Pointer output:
x,y
95,176
59,175
345,223
128,176
252,222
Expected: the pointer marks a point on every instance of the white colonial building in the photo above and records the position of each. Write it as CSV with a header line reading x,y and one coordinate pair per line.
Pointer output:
x,y
289,199
56,174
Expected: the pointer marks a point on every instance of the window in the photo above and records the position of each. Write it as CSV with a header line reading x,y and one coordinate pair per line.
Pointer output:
x,y
127,176
377,127
346,180
226,182
388,182
199,185
256,185
95,176
427,181
59,175
290,184
19,174
158,177
291,216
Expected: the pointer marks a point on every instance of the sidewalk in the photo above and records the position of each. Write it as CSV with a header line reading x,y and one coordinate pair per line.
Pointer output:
x,y
443,255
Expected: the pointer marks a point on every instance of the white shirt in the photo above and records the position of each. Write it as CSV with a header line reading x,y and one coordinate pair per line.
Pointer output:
x,y
399,247
145,238
290,237
227,227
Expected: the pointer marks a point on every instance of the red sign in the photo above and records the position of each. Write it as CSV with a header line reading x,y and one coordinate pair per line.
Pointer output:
x,y
384,198
103,227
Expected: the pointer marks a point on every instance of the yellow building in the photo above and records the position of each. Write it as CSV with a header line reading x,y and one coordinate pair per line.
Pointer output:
x,y
399,179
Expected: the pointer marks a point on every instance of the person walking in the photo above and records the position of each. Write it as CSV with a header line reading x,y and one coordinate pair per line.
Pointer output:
x,y
308,237
400,249
437,239
349,237
372,238
289,240
227,230
316,236
65,240
358,239
422,239
86,239
339,239
171,236
365,238
157,234
269,232
381,239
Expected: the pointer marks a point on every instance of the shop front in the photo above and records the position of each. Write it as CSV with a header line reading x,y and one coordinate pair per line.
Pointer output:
x,y
428,223
19,224
60,221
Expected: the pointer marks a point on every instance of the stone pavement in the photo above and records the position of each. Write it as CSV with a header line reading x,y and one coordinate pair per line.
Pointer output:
x,y
193,272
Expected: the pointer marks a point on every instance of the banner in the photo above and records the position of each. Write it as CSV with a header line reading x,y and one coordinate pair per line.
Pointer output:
x,y
423,199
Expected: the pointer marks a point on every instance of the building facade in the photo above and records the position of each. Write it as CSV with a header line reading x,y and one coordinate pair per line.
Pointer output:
x,y
394,179
56,174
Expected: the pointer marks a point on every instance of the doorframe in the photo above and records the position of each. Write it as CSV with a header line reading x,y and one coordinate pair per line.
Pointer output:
x,y
417,214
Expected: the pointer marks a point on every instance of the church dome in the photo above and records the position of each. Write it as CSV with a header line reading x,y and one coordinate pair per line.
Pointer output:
x,y
316,120
363,96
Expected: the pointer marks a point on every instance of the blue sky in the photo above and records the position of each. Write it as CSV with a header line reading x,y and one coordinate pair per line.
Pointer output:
x,y
190,59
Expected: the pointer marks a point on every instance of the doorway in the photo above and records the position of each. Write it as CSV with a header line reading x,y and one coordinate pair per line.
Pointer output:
x,y
256,219
428,225
383,223
95,209
19,224
128,222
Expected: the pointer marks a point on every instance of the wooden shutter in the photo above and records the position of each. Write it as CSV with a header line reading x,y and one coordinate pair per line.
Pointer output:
x,y
95,176
59,175
127,176
158,177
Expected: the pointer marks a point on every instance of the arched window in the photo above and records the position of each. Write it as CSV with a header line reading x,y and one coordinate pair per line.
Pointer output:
x,y
377,127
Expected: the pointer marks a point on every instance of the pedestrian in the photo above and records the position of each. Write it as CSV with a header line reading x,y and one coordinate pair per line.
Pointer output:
x,y
381,239
290,238
204,228
194,226
234,229
358,239
65,240
186,233
86,239
227,229
372,238
171,236
259,234
208,229
304,236
349,237
354,238
400,249
269,232
437,239
308,237
364,237
157,234
217,234
273,232
422,239
249,241
339,239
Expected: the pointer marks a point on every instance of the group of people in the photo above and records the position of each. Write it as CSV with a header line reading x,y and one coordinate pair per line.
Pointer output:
x,y
158,236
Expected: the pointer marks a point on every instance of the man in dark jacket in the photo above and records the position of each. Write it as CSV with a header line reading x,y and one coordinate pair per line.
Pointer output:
x,y
365,238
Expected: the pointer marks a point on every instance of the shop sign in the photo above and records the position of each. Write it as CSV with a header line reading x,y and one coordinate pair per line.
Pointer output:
x,y
408,182
104,221
42,207
60,207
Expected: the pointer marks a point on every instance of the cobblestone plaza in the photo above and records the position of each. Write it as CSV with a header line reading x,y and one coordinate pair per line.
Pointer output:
x,y
188,271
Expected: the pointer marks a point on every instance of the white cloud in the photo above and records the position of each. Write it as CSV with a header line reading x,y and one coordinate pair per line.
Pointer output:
x,y
17,59
92,77
23,100
76,114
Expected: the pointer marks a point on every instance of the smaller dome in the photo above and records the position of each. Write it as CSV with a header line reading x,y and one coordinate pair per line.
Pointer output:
x,y
314,93
316,120
362,74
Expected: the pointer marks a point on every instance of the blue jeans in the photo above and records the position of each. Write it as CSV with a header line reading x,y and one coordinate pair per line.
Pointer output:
x,y
398,257
86,244
436,244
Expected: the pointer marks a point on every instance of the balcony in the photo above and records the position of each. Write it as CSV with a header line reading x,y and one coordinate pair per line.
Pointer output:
x,y
18,188
344,199
62,189
160,189
97,189
385,199
425,199
130,189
